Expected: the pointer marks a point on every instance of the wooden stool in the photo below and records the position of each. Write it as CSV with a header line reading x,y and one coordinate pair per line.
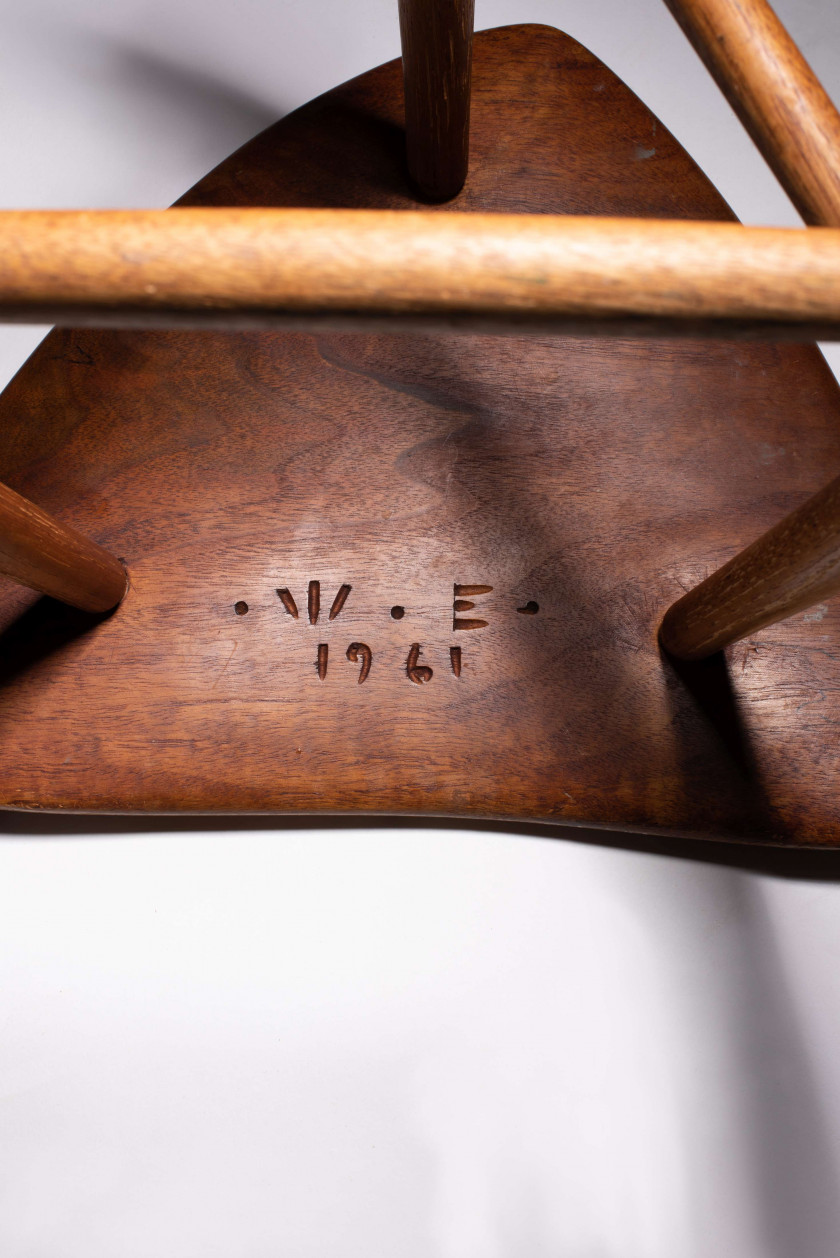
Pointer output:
x,y
423,572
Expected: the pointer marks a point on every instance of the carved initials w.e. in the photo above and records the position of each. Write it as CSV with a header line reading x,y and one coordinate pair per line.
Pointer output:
x,y
313,601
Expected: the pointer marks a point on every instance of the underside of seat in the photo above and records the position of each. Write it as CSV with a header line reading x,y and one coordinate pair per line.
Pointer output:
x,y
422,574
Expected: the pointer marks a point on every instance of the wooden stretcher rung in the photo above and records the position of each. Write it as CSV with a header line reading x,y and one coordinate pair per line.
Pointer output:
x,y
396,269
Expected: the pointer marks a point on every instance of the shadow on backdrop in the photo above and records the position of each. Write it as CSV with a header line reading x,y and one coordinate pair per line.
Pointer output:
x,y
806,864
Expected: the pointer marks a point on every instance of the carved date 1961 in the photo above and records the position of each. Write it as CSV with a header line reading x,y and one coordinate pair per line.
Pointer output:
x,y
359,653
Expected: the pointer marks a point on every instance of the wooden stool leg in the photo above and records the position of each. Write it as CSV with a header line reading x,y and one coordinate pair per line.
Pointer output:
x,y
437,56
50,557
792,566
795,125
776,95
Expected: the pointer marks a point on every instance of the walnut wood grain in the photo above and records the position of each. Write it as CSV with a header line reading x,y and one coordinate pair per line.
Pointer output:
x,y
570,489
790,568
504,273
776,95
52,558
436,38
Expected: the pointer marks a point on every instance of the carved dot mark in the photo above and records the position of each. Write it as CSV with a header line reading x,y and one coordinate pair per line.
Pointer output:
x,y
530,609
397,612
455,659
287,599
241,608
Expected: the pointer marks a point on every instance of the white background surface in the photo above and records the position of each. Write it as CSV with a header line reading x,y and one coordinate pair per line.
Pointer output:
x,y
455,1044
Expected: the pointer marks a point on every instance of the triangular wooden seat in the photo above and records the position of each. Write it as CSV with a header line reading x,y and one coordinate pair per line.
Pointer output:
x,y
423,574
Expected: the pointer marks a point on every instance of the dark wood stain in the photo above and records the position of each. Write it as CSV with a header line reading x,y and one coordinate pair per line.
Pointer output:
x,y
436,38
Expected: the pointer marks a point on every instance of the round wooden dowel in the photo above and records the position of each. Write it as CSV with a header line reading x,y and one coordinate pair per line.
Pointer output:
x,y
791,567
776,95
38,551
437,57
797,128
395,270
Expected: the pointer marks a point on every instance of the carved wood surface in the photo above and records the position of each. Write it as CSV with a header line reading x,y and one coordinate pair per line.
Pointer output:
x,y
423,574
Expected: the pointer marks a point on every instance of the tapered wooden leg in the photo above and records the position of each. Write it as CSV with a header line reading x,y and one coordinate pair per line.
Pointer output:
x,y
38,551
797,128
437,55
776,95
789,568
